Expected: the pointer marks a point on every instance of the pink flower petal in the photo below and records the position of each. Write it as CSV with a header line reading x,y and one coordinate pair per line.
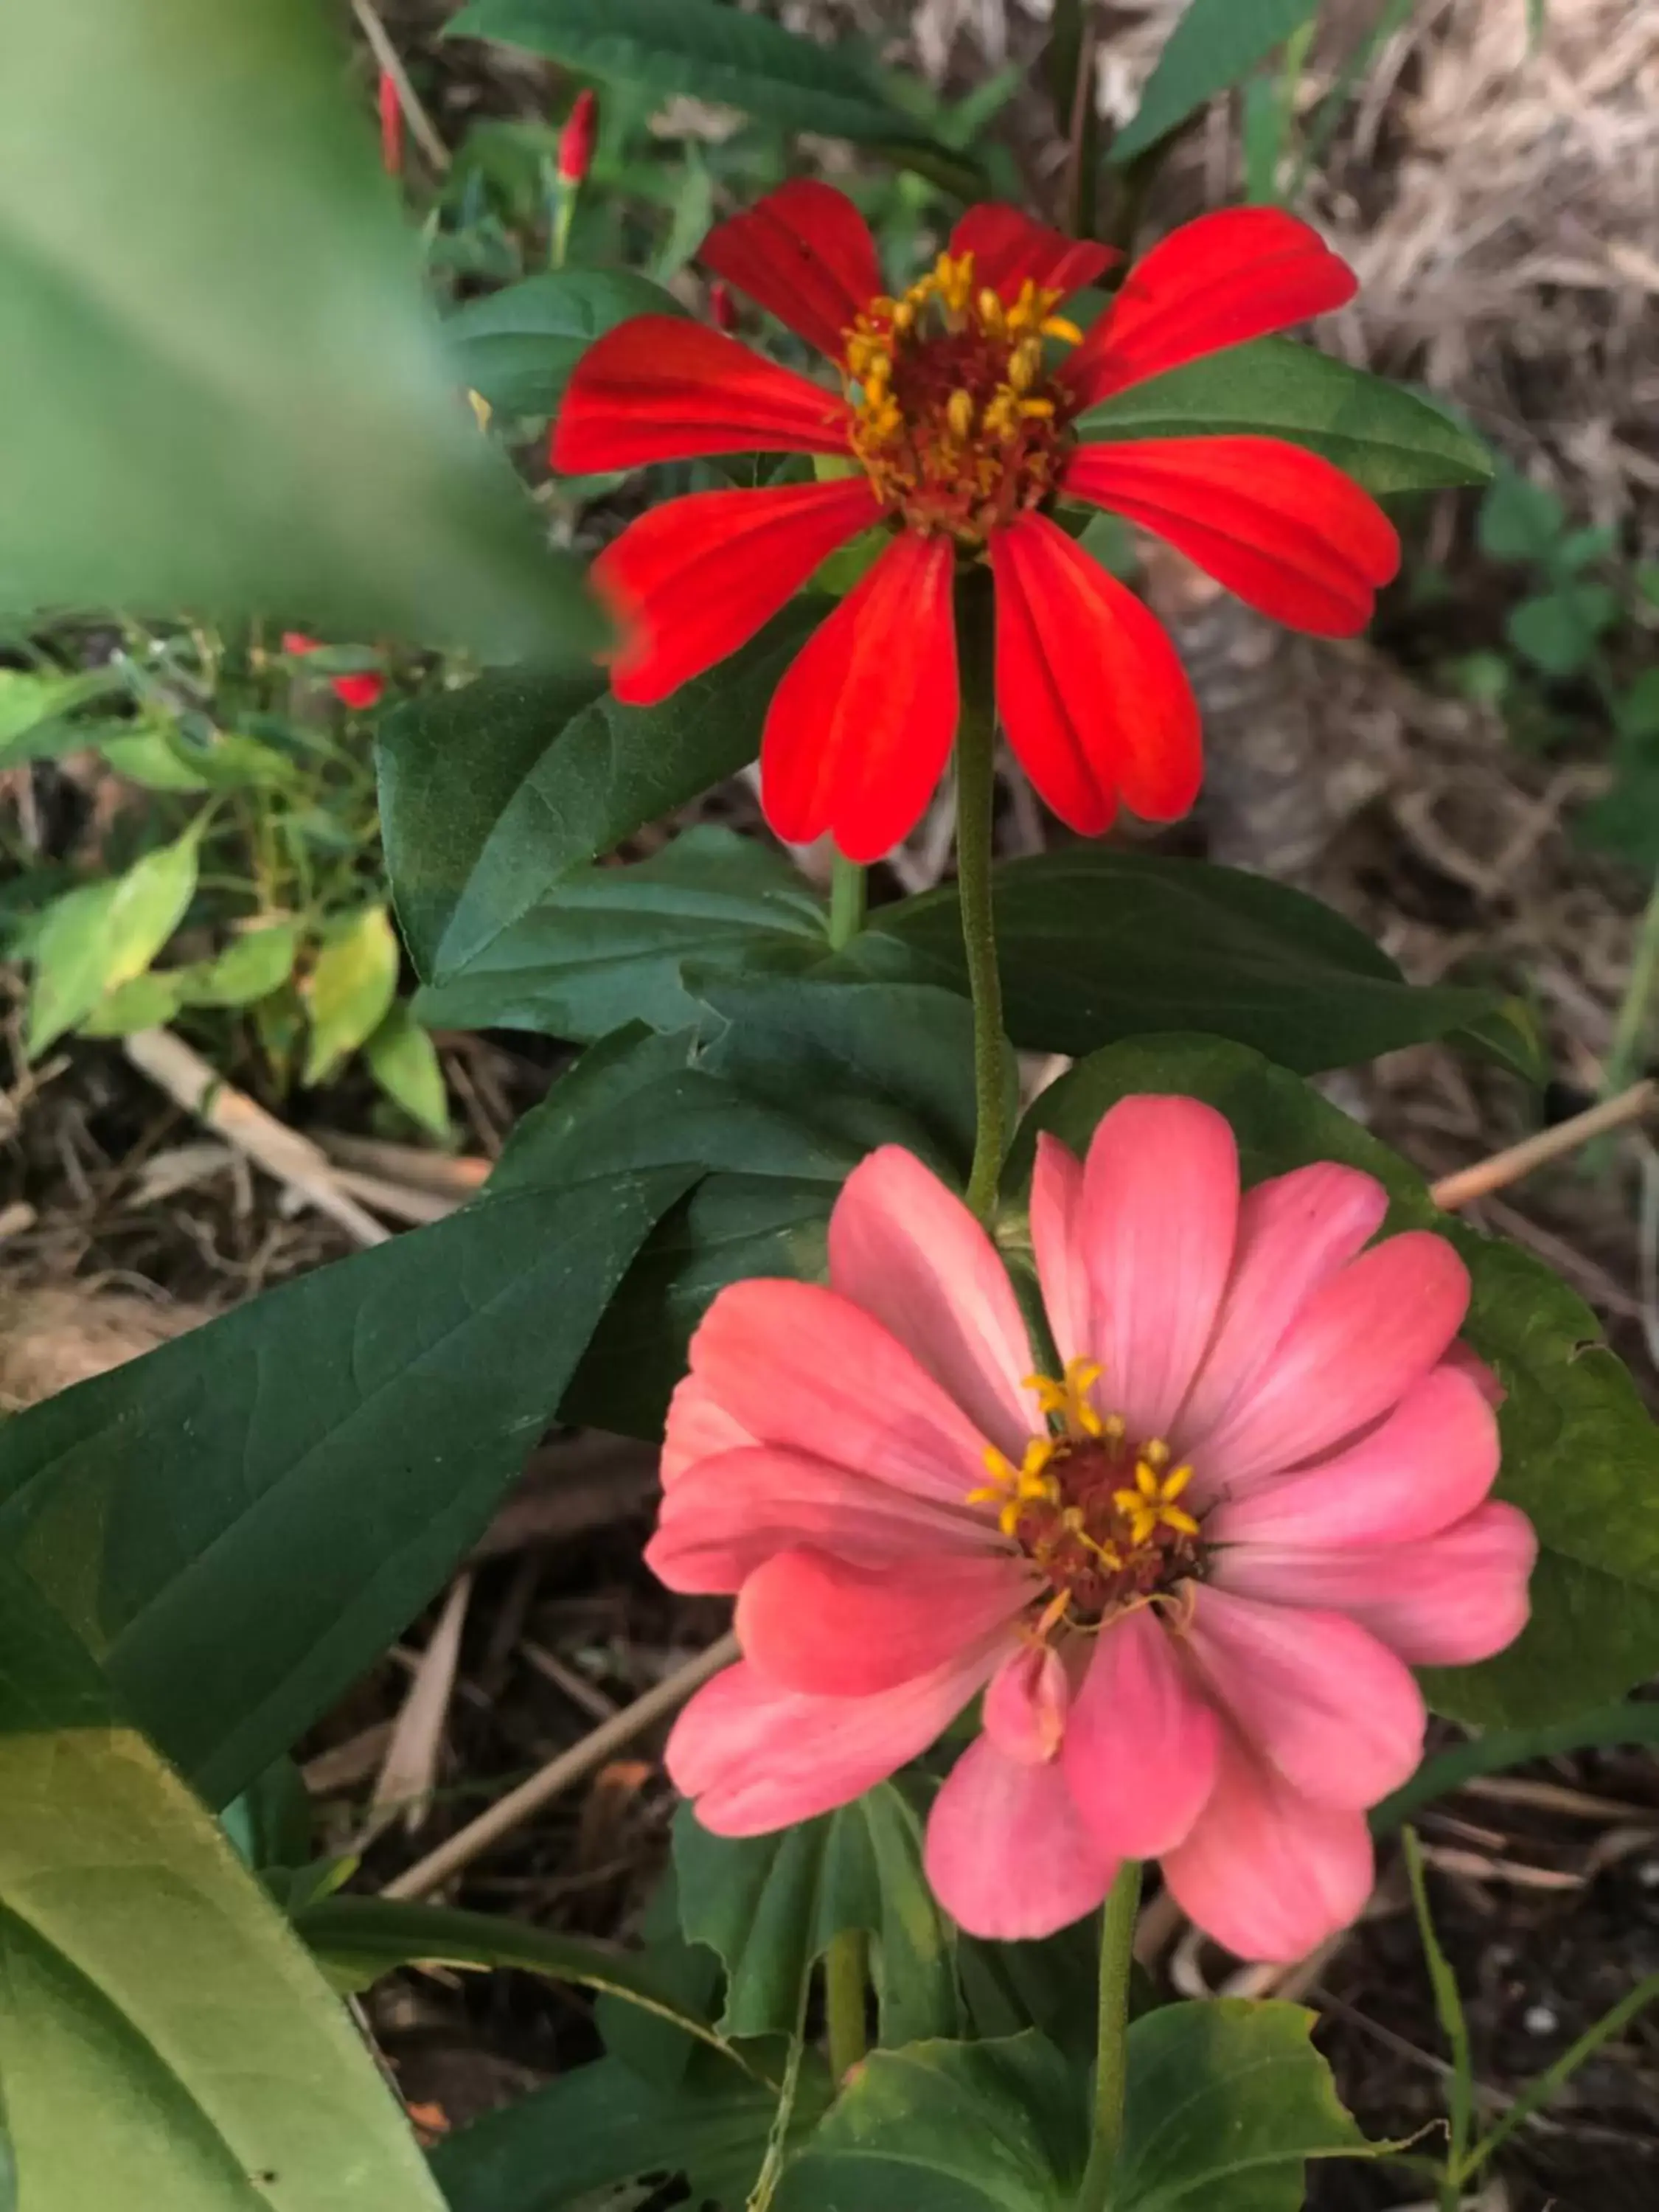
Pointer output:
x,y
1320,1697
1432,1461
1160,1207
1446,1602
907,1250
1294,1233
1025,1704
1265,1872
699,1427
794,1364
755,1758
1006,1855
725,1515
809,1621
1141,1740
1056,1213
1354,1349
1467,1361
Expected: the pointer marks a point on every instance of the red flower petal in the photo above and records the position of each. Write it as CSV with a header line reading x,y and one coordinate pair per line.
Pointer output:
x,y
358,692
693,580
1282,528
1235,274
803,253
1093,698
1007,247
860,726
658,389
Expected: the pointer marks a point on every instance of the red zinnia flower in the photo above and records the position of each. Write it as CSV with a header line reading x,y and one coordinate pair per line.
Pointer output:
x,y
959,421
358,692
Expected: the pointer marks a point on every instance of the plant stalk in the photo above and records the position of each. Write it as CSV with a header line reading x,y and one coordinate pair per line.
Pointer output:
x,y
1117,1935
849,884
976,731
1631,1029
844,2001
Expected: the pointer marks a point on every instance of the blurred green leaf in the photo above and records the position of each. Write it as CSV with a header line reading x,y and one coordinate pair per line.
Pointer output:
x,y
251,966
165,2041
223,388
35,711
1580,1455
490,795
771,1905
1557,630
349,990
710,51
404,1060
608,946
145,1003
1095,945
517,347
1386,438
1638,711
157,755
1519,520
1215,45
102,935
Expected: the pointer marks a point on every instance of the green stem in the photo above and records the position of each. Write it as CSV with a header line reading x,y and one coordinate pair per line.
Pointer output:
x,y
1632,1025
844,2001
848,885
976,802
1117,1935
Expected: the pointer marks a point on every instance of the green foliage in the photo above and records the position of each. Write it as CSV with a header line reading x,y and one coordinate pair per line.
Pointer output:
x,y
517,347
1384,438
771,1905
165,2041
1581,1456
404,1060
223,391
101,936
1214,46
349,990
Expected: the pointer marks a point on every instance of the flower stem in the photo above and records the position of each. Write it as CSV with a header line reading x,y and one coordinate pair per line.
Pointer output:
x,y
843,2001
1631,1028
1117,1935
846,893
975,799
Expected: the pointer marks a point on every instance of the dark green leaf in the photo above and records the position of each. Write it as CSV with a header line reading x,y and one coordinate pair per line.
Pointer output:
x,y
1557,630
165,2041
490,795
947,2127
769,1905
703,48
517,347
223,388
1226,2102
1386,438
1581,1457
607,946
1095,945
601,2125
1215,46
1519,520
240,1522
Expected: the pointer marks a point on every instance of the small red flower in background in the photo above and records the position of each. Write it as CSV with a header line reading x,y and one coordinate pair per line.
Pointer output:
x,y
961,432
576,139
391,125
358,692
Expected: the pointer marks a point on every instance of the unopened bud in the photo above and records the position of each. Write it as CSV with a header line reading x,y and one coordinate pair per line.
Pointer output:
x,y
391,125
722,308
576,139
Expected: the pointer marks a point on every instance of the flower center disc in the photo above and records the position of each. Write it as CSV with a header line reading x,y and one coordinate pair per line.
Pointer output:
x,y
956,419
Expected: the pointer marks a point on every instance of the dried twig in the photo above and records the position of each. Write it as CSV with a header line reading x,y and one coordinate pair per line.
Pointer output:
x,y
408,1772
501,1817
1506,1167
385,58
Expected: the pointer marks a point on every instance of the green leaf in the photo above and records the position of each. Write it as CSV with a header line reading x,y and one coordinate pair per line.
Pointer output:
x,y
1095,945
238,1523
250,966
102,935
601,2125
349,990
35,711
1580,1456
1557,630
145,1003
165,2041
1226,2101
705,49
1215,46
490,795
607,946
1387,440
517,347
404,1060
771,1905
948,2127
1519,520
157,754
224,390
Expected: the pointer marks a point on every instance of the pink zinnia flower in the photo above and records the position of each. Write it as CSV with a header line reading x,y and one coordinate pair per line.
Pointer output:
x,y
1191,1576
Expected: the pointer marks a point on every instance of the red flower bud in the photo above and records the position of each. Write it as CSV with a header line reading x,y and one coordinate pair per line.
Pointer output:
x,y
391,125
358,692
722,308
576,139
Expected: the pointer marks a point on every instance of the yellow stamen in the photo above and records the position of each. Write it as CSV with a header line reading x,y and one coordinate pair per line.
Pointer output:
x,y
1040,408
1057,326
1024,363
959,413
